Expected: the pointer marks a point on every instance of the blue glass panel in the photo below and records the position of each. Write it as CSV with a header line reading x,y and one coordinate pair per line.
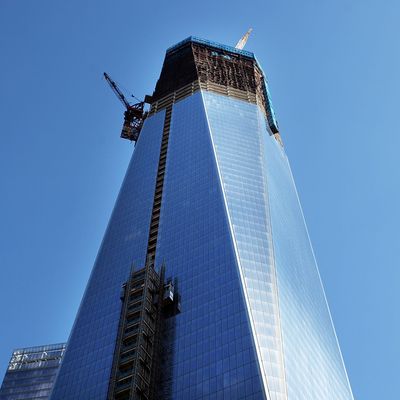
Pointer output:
x,y
314,367
85,370
238,136
275,257
212,354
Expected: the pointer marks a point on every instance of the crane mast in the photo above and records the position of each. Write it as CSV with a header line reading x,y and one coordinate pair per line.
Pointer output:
x,y
134,115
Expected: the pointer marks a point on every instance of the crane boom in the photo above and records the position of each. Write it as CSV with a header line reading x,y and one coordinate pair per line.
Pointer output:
x,y
242,42
134,115
116,90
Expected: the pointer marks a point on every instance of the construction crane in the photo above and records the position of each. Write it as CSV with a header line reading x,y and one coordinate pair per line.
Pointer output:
x,y
134,115
242,42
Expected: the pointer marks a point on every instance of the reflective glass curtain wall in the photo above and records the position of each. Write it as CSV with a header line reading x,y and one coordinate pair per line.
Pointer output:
x,y
86,367
292,325
213,354
254,323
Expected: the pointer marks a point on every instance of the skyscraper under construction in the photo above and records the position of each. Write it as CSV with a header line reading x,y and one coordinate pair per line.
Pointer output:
x,y
205,285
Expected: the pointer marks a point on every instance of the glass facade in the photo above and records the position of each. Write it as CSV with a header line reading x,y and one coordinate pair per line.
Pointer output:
x,y
313,362
31,372
292,326
86,367
210,187
213,354
238,135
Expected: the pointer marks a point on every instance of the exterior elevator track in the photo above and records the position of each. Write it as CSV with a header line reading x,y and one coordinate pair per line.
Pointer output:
x,y
146,301
155,215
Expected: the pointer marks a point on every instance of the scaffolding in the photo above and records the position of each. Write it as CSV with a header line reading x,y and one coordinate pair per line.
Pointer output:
x,y
146,301
200,64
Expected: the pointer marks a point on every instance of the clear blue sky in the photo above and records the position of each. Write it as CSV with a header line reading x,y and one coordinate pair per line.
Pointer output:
x,y
333,68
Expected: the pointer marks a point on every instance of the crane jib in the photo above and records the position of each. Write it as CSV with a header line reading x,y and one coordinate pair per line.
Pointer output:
x,y
134,115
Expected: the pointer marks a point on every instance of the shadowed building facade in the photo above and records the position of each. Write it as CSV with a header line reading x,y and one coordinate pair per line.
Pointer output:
x,y
205,285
